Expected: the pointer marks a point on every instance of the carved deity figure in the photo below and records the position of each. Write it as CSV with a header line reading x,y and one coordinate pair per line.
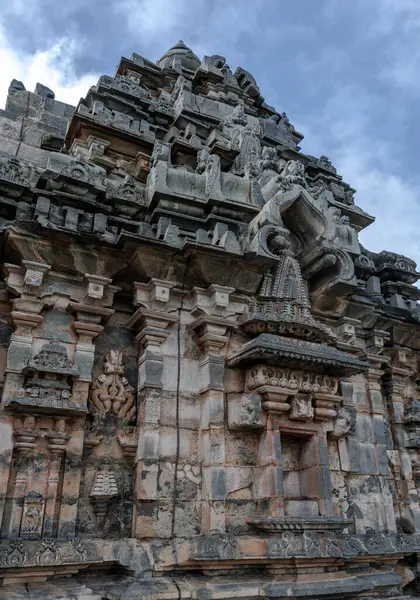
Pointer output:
x,y
111,392
245,134
344,422
345,235
293,174
301,408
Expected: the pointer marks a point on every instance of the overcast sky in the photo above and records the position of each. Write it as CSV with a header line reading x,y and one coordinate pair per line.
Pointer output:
x,y
347,73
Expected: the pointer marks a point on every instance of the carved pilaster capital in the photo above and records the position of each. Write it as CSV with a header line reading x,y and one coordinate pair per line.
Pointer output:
x,y
89,319
27,278
326,406
212,332
212,301
155,294
152,326
275,399
25,321
98,290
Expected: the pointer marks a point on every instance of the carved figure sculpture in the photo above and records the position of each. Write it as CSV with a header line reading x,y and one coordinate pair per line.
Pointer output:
x,y
344,423
111,392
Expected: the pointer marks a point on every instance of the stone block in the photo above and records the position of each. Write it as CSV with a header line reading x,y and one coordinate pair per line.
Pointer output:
x,y
213,446
151,371
301,508
212,409
212,370
364,429
214,483
377,401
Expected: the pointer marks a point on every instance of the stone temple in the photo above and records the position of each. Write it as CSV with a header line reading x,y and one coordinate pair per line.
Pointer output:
x,y
210,389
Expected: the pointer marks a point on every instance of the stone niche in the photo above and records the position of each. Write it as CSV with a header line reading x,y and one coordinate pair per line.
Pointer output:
x,y
301,481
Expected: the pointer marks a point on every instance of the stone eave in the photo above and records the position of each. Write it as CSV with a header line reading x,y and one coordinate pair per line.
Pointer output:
x,y
358,217
107,132
39,405
151,71
296,353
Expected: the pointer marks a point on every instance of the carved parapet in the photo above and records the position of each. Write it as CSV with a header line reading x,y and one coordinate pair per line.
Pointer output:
x,y
48,553
395,267
68,174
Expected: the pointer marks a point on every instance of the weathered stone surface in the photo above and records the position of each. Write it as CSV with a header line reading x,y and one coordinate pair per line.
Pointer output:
x,y
210,389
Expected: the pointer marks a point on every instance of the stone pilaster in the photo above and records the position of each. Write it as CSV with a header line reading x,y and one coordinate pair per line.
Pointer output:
x,y
212,330
396,381
153,322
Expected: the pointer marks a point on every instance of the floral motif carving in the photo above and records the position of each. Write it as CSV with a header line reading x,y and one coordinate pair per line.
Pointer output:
x,y
46,553
15,555
291,379
111,392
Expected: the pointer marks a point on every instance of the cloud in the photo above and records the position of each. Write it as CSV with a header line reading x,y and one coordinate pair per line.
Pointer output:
x,y
52,67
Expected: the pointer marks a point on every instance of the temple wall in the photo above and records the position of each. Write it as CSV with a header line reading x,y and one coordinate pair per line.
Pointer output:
x,y
209,388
